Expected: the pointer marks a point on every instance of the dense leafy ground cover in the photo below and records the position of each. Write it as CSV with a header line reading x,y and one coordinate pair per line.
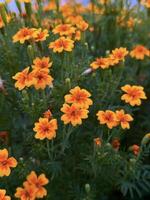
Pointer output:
x,y
74,100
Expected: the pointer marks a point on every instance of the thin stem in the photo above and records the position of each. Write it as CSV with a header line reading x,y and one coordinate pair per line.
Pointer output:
x,y
48,149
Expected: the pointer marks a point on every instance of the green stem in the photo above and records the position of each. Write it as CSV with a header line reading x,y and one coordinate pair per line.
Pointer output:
x,y
48,149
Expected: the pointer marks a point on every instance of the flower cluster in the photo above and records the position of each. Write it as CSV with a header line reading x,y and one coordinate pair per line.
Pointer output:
x,y
76,106
39,76
114,58
113,119
33,187
30,34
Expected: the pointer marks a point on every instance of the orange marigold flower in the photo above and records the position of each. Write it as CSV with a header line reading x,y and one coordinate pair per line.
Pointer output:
x,y
123,119
133,95
146,3
64,29
38,182
135,148
139,52
107,117
41,63
23,34
77,35
3,195
42,78
28,192
82,25
62,44
6,163
24,79
80,97
45,128
40,35
119,54
47,114
97,141
100,63
116,143
73,114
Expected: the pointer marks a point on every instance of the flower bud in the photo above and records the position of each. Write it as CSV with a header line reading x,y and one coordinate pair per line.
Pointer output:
x,y
30,52
146,139
87,188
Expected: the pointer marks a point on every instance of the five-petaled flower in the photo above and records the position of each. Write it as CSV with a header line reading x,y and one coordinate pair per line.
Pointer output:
x,y
139,52
107,117
64,29
62,44
133,95
73,114
38,182
45,128
80,97
123,119
6,163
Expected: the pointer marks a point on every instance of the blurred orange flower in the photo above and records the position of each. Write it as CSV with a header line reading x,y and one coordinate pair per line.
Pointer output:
x,y
6,163
133,95
97,141
135,148
146,3
64,29
28,192
3,195
42,78
47,114
139,52
73,114
100,63
107,117
80,97
123,118
62,44
41,63
119,54
38,182
115,143
40,35
24,34
23,79
45,129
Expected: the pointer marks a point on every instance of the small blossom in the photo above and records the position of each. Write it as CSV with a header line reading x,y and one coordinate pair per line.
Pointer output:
x,y
41,63
123,119
139,52
73,114
38,182
45,128
64,29
3,195
80,97
107,117
6,163
133,95
62,44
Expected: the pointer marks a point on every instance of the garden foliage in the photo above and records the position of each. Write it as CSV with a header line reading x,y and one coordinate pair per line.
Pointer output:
x,y
74,100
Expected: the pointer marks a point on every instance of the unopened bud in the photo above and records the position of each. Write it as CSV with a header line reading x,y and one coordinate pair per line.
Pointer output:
x,y
87,188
